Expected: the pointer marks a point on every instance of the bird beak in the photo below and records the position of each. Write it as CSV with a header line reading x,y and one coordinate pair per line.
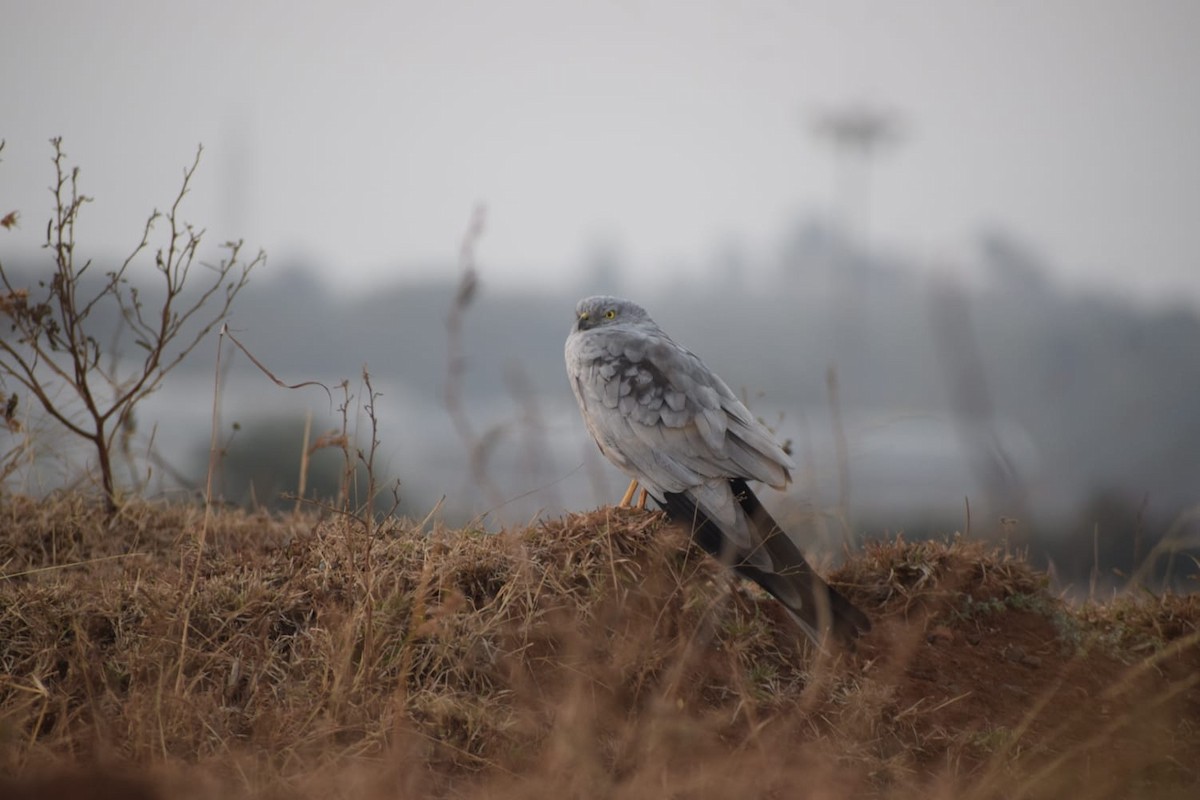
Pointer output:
x,y
583,322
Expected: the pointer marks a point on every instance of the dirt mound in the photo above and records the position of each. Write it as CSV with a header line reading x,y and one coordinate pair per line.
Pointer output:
x,y
596,655
998,677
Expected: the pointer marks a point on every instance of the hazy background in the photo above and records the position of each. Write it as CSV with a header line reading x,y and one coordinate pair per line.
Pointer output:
x,y
982,216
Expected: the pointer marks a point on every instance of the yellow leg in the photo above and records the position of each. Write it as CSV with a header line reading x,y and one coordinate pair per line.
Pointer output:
x,y
627,500
642,500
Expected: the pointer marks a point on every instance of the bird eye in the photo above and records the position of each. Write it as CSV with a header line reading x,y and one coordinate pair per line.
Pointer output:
x,y
610,314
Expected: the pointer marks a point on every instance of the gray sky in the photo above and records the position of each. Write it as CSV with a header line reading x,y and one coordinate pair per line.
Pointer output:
x,y
360,135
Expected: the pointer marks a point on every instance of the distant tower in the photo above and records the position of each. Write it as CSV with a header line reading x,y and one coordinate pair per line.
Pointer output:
x,y
856,133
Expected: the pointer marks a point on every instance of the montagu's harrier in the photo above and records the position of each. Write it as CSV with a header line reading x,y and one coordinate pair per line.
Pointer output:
x,y
661,416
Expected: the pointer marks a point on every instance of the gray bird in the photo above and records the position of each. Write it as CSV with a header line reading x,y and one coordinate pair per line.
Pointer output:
x,y
662,417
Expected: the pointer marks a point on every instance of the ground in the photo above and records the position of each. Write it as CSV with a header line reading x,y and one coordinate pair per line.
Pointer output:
x,y
172,653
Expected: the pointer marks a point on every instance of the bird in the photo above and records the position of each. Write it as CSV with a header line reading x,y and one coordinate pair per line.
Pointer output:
x,y
674,427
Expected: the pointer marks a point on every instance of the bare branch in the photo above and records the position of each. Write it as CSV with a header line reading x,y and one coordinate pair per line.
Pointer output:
x,y
55,346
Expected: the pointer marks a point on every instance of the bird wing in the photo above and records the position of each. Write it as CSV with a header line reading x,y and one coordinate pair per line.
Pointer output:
x,y
658,412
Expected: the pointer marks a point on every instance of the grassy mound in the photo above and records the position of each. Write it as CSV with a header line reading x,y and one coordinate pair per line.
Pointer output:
x,y
596,656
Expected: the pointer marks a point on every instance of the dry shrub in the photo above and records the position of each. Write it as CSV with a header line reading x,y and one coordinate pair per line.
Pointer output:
x,y
592,656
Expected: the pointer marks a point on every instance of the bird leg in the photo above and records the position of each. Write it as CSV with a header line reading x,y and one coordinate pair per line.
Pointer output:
x,y
627,500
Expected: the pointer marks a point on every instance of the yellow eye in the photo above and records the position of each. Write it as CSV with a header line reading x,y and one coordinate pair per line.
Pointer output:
x,y
610,314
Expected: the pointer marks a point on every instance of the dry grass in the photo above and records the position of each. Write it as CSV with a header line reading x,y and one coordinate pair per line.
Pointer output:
x,y
593,656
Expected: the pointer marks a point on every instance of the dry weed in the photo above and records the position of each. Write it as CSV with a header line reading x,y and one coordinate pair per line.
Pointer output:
x,y
591,656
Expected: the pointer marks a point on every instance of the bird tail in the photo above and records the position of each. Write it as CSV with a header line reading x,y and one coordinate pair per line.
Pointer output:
x,y
813,604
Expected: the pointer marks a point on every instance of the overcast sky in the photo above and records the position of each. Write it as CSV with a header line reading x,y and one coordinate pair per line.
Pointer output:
x,y
358,136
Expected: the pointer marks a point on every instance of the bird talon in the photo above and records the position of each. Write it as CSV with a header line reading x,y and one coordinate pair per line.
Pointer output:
x,y
641,505
627,499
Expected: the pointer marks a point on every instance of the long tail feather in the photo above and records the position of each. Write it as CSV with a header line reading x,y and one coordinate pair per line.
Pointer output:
x,y
811,602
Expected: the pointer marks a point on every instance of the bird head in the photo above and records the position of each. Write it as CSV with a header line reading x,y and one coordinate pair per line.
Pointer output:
x,y
602,310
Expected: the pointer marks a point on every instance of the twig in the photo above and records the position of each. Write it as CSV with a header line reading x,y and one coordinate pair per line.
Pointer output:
x,y
468,284
841,448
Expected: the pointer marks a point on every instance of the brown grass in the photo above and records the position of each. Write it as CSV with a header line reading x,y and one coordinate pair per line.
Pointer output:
x,y
592,656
